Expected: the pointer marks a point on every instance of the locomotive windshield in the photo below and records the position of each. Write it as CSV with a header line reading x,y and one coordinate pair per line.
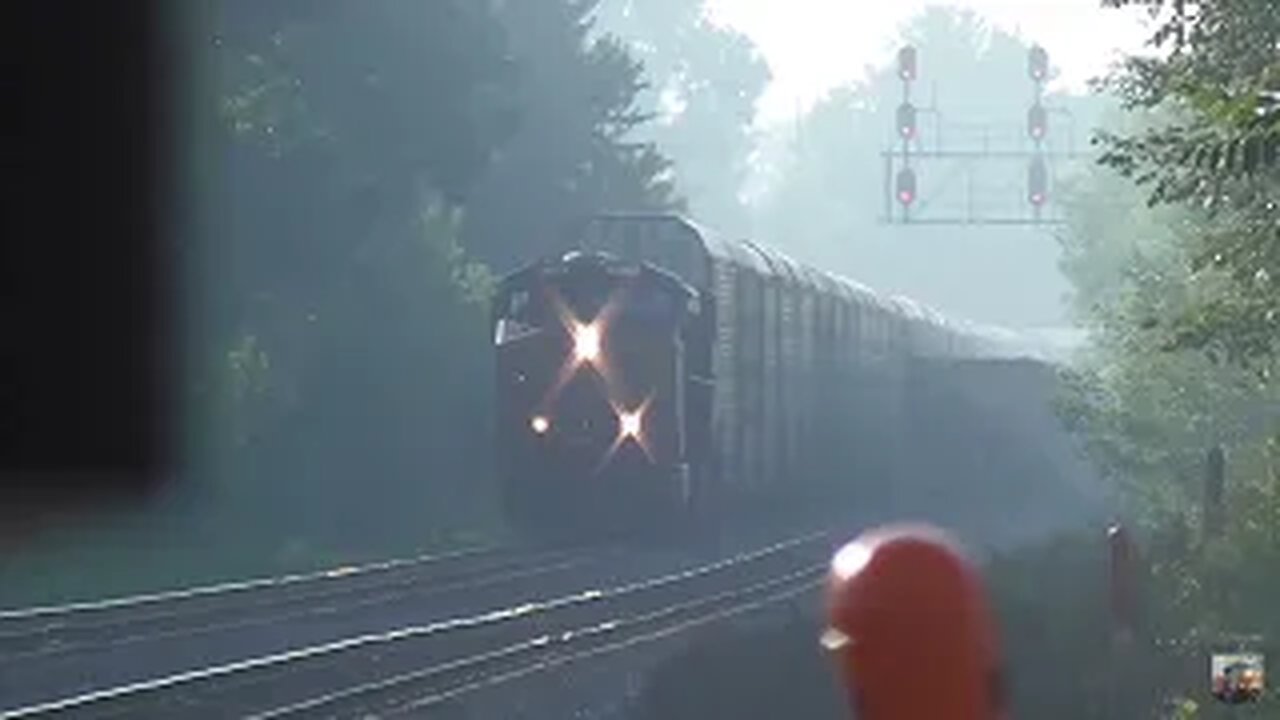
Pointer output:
x,y
518,308
584,295
591,287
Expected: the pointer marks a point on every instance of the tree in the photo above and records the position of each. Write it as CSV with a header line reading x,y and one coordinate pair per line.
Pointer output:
x,y
575,148
1202,290
1156,408
357,150
1219,80
1168,289
1148,413
337,333
704,82
328,126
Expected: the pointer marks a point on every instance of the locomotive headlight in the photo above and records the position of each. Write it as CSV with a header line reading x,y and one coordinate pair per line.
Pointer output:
x,y
630,424
539,424
630,428
586,343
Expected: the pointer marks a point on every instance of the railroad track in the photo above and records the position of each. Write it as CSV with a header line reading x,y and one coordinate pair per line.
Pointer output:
x,y
419,692
75,647
31,633
412,669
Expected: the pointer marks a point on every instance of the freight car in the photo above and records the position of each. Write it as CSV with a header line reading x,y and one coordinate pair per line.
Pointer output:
x,y
657,372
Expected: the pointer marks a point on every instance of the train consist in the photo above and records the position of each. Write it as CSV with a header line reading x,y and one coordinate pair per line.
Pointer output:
x,y
657,372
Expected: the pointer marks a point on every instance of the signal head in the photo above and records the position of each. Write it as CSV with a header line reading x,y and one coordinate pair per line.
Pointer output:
x,y
907,63
1038,64
907,127
1037,122
906,186
1037,181
907,598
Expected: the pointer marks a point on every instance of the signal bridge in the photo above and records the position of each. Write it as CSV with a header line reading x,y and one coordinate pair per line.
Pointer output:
x,y
967,174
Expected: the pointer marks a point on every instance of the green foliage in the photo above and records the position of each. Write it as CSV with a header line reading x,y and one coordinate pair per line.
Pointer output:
x,y
1066,659
1219,83
1149,411
353,165
380,106
576,146
1169,289
704,81
1148,405
368,153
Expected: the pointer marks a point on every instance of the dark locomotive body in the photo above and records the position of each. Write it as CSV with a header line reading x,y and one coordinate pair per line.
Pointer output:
x,y
761,379
597,389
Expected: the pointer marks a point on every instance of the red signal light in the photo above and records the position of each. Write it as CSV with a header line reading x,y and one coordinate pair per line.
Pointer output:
x,y
1038,182
906,186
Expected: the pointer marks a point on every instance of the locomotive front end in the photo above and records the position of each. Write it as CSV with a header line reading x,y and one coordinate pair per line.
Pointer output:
x,y
590,389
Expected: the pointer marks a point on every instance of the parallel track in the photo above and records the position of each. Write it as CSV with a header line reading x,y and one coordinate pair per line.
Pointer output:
x,y
402,670
418,691
30,634
77,649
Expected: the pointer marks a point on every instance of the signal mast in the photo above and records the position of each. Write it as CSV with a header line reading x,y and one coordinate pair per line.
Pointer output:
x,y
1037,130
908,130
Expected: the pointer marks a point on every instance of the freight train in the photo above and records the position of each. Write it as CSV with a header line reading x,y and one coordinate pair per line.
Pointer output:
x,y
657,373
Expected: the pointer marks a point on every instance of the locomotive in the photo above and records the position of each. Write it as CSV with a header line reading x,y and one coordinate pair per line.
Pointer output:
x,y
657,373
599,380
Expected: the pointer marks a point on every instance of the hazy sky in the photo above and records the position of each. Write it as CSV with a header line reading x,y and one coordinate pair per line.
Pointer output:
x,y
812,45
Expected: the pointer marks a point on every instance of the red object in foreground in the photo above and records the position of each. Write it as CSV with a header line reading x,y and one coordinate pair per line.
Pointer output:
x,y
910,625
